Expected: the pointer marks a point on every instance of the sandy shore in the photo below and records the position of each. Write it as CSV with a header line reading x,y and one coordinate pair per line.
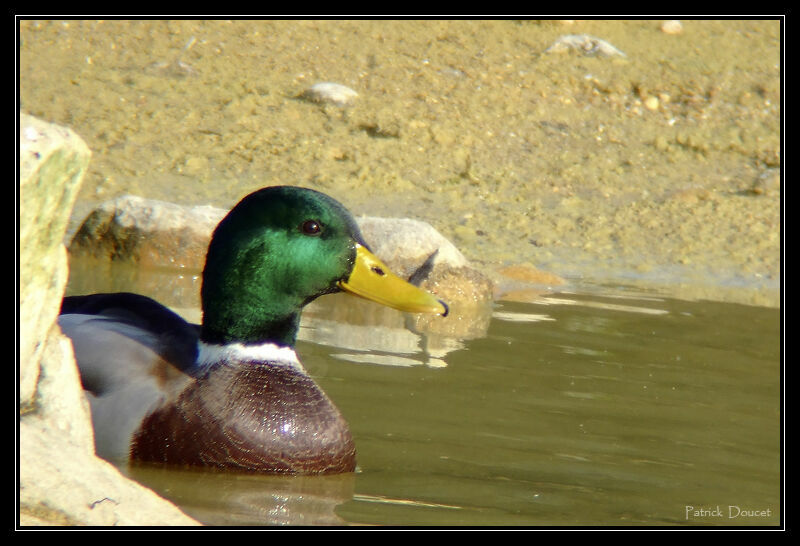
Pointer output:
x,y
658,169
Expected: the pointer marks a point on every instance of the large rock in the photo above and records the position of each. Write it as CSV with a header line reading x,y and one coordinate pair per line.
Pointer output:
x,y
148,232
61,482
52,163
415,250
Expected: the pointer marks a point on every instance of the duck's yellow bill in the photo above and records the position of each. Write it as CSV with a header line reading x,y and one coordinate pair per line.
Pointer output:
x,y
371,279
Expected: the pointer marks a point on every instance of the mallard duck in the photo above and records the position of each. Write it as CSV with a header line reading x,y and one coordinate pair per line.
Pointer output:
x,y
231,393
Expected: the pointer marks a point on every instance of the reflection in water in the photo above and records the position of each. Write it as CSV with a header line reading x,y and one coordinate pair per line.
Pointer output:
x,y
217,498
520,317
601,305
563,299
380,335
402,502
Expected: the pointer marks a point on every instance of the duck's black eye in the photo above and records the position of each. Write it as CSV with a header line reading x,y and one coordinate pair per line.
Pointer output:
x,y
311,227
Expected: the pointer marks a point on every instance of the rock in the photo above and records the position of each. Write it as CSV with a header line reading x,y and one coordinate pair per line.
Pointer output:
x,y
61,482
524,282
672,26
585,44
530,274
404,243
52,162
329,92
148,232
412,248
651,102
154,233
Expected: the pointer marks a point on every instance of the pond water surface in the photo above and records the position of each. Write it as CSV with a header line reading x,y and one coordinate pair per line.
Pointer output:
x,y
597,406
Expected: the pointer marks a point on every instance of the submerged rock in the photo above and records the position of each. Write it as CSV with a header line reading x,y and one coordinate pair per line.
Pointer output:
x,y
524,282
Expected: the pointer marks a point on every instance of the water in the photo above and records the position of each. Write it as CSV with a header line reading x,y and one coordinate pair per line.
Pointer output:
x,y
603,407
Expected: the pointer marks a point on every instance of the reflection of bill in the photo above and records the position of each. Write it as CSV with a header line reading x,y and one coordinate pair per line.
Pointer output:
x,y
733,512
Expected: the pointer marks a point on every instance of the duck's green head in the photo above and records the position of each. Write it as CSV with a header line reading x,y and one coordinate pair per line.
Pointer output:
x,y
280,248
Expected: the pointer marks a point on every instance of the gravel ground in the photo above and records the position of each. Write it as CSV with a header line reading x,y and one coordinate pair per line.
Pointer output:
x,y
659,168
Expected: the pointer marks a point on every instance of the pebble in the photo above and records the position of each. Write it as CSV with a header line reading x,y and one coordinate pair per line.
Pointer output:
x,y
195,165
661,143
651,103
330,92
588,45
672,26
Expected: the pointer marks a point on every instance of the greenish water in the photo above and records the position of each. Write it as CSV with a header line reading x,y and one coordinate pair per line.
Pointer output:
x,y
603,407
